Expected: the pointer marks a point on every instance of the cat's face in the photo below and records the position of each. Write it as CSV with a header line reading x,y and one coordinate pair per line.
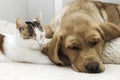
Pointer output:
x,y
31,31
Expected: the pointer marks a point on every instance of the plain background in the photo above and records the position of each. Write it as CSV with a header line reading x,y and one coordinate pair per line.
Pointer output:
x,y
27,9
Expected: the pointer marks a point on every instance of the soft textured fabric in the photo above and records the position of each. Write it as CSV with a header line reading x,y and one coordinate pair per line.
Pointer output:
x,y
7,27
111,51
22,71
18,71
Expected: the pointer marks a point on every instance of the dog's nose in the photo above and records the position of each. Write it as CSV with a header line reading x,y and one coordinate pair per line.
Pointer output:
x,y
93,67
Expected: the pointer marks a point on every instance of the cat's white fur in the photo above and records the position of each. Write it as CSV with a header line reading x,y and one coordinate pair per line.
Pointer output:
x,y
17,49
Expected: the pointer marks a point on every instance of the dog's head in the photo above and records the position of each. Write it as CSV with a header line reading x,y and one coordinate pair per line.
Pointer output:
x,y
79,43
31,32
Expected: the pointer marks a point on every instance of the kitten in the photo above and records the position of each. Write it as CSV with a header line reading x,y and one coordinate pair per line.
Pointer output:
x,y
26,44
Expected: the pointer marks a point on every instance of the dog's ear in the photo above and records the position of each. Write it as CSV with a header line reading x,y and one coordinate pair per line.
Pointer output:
x,y
53,48
109,31
22,27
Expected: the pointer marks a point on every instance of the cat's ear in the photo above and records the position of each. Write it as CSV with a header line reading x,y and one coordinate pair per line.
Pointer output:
x,y
20,24
38,18
22,28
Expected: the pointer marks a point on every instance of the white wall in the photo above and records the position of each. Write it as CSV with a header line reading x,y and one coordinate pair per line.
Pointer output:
x,y
46,6
11,9
112,1
27,9
58,5
66,1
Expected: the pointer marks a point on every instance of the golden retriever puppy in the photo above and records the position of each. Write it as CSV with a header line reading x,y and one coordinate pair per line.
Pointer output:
x,y
79,32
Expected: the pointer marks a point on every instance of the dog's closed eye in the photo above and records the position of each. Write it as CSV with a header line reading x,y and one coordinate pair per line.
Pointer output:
x,y
93,42
74,46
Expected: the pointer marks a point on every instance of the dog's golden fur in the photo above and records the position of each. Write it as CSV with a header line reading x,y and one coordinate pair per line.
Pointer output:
x,y
80,33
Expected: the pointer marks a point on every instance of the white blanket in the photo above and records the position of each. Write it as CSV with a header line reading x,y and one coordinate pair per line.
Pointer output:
x,y
19,71
111,51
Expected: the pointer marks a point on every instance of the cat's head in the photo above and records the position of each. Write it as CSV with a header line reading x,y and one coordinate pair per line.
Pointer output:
x,y
31,32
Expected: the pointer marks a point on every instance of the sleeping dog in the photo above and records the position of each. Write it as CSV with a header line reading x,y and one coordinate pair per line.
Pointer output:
x,y
25,45
79,32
